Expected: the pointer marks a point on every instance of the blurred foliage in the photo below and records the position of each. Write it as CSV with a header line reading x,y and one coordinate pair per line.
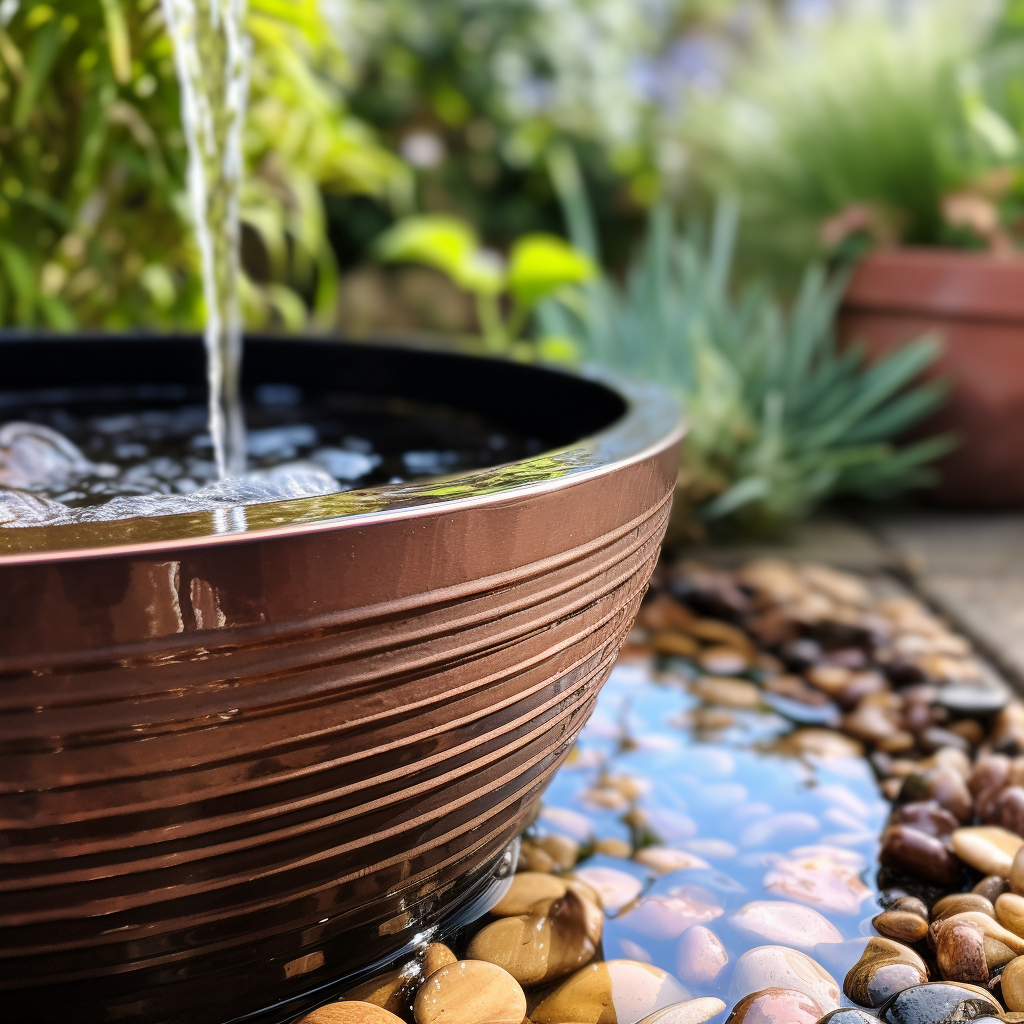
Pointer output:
x,y
870,128
538,266
93,222
780,418
474,93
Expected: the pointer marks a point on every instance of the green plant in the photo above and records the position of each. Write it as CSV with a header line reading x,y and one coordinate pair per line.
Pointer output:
x,y
864,129
93,225
538,266
779,418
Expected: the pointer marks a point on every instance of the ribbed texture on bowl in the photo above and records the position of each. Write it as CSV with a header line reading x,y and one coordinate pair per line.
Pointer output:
x,y
231,772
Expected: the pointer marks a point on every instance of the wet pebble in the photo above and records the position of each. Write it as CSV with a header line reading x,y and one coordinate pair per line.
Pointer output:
x,y
901,925
788,924
775,1004
388,990
884,968
989,926
557,937
614,888
700,956
613,847
528,888
611,992
988,848
780,967
350,1012
823,743
1009,808
791,824
470,992
849,1015
732,693
821,881
435,956
962,903
691,1011
1010,912
916,853
563,850
926,816
663,860
939,1003
667,916
1013,984
960,953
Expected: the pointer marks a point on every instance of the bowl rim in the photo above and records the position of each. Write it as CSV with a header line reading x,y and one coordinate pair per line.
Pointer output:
x,y
651,423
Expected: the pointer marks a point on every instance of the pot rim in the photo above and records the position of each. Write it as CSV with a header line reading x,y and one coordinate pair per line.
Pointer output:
x,y
651,423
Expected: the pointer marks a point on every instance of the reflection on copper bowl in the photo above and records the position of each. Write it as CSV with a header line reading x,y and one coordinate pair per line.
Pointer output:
x,y
243,756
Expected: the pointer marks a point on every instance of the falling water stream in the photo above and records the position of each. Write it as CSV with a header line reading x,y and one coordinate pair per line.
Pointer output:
x,y
211,54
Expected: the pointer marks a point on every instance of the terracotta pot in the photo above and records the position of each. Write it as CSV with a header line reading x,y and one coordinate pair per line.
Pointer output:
x,y
976,303
243,755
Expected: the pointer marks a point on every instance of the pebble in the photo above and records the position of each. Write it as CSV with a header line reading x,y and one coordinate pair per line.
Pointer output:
x,y
691,1011
350,1012
1013,984
700,956
822,743
435,956
997,954
1010,912
558,937
901,925
788,924
784,1005
780,967
960,953
988,848
990,927
926,816
819,880
962,903
972,701
939,1003
849,1015
562,850
721,660
663,860
533,858
667,916
528,888
993,886
884,968
731,693
470,992
917,853
387,990
1016,877
614,888
613,847
677,644
611,992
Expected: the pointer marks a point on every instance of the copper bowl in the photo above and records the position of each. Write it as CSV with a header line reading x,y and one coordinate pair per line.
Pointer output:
x,y
244,755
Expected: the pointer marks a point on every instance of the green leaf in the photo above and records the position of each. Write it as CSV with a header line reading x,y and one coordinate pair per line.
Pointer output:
x,y
117,40
447,244
41,58
541,264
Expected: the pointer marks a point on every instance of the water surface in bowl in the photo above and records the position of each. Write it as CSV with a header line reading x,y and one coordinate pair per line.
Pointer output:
x,y
110,449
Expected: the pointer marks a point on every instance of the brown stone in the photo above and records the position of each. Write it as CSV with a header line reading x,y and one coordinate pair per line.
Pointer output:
x,y
884,968
470,992
988,848
917,853
901,925
389,990
1013,984
609,992
992,887
997,954
676,644
775,1004
528,888
1010,808
732,693
960,953
436,956
350,1012
614,847
926,816
962,903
